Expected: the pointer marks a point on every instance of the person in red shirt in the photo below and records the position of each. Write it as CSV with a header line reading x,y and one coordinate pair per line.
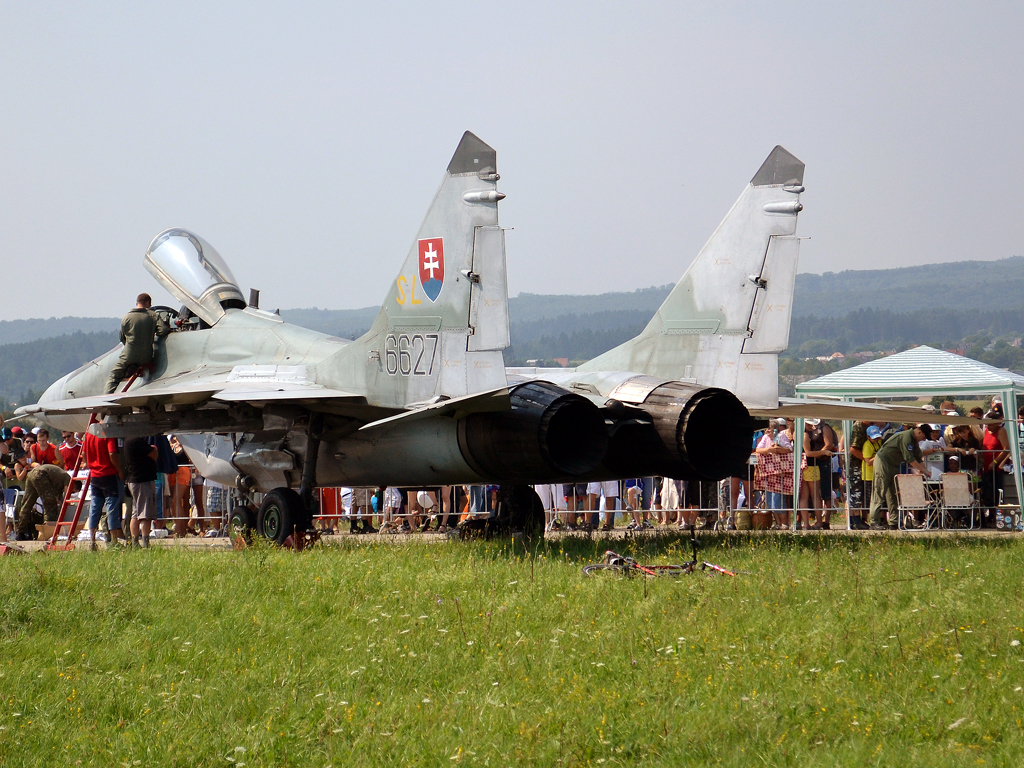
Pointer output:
x,y
996,443
69,450
44,452
104,462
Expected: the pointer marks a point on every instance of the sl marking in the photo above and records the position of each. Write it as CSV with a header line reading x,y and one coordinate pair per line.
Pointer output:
x,y
408,355
411,298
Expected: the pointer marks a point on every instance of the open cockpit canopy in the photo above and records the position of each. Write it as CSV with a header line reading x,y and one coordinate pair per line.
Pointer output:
x,y
194,273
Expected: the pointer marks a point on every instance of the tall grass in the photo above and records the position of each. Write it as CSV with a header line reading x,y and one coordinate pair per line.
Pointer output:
x,y
828,651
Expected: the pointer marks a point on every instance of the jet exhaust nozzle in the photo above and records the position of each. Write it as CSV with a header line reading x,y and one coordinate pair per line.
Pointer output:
x,y
549,434
693,434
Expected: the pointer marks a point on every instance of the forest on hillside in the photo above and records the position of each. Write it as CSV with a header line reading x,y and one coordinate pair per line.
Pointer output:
x,y
856,310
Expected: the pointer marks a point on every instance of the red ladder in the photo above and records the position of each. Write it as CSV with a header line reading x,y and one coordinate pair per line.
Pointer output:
x,y
72,524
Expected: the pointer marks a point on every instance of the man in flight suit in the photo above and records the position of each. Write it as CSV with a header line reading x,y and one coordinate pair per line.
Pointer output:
x,y
901,448
137,330
47,482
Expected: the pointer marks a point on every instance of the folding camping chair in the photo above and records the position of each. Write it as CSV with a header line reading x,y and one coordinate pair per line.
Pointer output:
x,y
960,506
916,510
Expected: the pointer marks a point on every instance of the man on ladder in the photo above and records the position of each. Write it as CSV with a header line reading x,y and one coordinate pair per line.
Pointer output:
x,y
138,328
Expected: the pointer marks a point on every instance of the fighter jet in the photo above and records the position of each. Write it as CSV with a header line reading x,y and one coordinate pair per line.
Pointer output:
x,y
424,399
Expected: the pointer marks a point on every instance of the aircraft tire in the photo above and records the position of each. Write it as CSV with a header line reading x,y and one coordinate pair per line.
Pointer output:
x,y
243,522
525,511
280,513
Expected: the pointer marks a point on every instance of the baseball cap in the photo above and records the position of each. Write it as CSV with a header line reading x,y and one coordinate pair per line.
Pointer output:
x,y
18,431
936,428
814,422
36,430
6,433
874,432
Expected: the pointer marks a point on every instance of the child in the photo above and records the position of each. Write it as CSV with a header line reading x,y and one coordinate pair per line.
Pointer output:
x,y
871,446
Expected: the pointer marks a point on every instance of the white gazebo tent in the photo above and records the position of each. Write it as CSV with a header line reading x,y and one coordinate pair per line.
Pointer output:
x,y
919,371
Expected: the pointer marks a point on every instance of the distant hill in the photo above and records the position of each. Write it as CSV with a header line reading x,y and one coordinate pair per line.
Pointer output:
x,y
16,331
34,365
343,323
833,312
527,307
1000,283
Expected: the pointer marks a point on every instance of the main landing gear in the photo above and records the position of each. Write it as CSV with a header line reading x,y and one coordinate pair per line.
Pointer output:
x,y
519,511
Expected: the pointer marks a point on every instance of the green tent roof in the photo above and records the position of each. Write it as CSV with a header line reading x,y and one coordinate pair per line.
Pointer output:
x,y
919,371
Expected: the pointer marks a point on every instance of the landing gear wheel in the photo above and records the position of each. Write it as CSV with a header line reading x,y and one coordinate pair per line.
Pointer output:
x,y
523,510
280,513
242,523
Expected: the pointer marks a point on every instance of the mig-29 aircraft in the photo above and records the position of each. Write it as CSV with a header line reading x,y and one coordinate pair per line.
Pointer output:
x,y
424,398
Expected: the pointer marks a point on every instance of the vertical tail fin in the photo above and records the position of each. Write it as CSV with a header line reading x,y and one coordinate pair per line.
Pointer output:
x,y
727,319
444,322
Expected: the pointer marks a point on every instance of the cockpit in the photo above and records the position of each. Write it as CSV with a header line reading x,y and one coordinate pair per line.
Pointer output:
x,y
192,271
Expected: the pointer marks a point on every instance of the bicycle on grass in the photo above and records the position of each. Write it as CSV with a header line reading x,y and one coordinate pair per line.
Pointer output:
x,y
615,563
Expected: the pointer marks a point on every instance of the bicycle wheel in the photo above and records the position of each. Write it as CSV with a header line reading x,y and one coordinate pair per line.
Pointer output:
x,y
603,569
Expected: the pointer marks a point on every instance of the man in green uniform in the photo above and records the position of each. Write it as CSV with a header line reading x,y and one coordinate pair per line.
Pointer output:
x,y
901,447
138,328
47,482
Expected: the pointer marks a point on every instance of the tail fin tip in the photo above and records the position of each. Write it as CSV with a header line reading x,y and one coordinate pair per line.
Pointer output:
x,y
781,167
473,155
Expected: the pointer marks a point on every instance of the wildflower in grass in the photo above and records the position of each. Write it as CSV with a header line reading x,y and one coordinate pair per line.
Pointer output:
x,y
1015,643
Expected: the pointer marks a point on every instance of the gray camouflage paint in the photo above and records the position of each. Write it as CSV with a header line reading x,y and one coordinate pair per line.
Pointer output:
x,y
252,373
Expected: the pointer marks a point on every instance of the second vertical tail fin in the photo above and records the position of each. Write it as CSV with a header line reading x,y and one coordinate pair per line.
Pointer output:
x,y
727,319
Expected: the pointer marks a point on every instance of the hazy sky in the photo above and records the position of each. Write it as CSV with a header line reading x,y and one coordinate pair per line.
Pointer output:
x,y
305,140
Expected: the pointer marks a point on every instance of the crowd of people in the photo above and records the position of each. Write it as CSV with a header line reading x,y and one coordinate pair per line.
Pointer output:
x,y
148,482
151,484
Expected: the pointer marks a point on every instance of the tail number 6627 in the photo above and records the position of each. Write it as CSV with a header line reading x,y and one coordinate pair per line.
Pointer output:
x,y
410,355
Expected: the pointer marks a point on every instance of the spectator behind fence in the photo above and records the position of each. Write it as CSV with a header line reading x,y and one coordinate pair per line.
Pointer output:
x,y
977,429
769,473
818,460
829,480
966,446
856,493
786,440
933,451
997,452
70,450
869,448
44,452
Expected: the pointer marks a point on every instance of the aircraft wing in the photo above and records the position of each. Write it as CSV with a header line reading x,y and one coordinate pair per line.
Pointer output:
x,y
811,408
197,389
456,407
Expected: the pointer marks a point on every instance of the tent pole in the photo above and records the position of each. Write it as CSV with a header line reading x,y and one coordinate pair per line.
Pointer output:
x,y
798,449
1010,415
847,433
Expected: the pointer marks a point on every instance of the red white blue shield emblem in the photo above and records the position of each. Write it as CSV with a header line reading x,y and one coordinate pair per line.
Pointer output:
x,y
432,266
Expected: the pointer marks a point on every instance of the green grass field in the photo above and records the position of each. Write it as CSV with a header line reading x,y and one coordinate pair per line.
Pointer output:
x,y
832,651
